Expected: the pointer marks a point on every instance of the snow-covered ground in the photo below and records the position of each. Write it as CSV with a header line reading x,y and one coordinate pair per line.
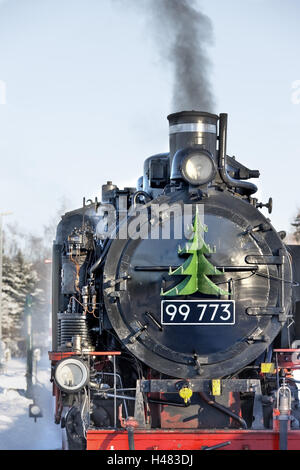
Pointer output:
x,y
17,430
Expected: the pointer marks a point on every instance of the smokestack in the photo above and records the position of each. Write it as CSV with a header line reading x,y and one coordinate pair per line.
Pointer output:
x,y
189,128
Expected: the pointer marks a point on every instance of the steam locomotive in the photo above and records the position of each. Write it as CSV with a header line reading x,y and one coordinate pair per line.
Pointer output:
x,y
176,307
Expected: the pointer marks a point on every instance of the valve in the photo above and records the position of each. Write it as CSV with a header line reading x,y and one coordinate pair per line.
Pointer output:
x,y
268,205
284,399
284,406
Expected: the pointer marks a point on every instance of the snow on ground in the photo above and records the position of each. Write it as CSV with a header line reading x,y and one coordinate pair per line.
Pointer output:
x,y
17,430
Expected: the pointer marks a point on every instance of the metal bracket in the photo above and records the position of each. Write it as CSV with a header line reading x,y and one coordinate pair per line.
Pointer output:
x,y
279,261
139,329
263,311
257,228
154,320
114,282
114,295
264,259
258,407
257,335
139,410
198,366
198,385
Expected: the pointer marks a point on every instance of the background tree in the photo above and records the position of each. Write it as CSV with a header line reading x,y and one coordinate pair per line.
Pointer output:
x,y
296,232
27,270
19,278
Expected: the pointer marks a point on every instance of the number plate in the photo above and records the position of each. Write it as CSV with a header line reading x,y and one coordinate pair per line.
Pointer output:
x,y
197,312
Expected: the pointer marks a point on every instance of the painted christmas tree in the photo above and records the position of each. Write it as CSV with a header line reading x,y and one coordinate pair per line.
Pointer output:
x,y
196,268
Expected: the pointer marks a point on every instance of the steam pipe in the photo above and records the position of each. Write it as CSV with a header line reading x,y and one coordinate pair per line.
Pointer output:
x,y
130,432
56,269
223,409
97,264
141,193
169,403
102,256
231,182
217,446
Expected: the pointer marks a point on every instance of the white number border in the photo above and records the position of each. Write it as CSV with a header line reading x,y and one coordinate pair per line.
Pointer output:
x,y
199,302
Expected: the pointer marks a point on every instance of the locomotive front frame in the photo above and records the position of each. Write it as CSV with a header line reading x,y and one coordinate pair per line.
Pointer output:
x,y
248,402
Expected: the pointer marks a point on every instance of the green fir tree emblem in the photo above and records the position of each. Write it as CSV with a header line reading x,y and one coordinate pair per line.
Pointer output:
x,y
196,267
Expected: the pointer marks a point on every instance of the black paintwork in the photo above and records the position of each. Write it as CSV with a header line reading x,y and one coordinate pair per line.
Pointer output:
x,y
220,350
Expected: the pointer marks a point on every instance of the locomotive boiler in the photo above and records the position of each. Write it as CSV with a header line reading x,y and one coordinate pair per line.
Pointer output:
x,y
175,307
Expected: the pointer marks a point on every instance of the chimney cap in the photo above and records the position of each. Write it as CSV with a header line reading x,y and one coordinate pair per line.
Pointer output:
x,y
191,114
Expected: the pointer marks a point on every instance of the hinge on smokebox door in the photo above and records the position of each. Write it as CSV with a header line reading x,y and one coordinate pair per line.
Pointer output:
x,y
257,335
115,294
138,330
280,310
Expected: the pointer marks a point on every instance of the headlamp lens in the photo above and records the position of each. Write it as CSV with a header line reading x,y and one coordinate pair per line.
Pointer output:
x,y
71,374
198,168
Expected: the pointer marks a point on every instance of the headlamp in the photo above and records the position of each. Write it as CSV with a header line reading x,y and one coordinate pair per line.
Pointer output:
x,y
198,168
71,374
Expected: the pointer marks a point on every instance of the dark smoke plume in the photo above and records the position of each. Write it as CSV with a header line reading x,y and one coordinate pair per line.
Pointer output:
x,y
183,33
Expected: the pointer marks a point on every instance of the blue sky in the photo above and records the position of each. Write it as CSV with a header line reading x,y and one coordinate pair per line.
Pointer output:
x,y
87,96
